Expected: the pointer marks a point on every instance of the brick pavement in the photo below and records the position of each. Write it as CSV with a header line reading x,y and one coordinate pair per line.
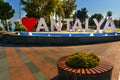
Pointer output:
x,y
39,62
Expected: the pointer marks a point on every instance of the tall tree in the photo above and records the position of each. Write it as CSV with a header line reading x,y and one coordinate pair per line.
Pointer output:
x,y
39,8
33,8
50,8
10,26
45,8
68,7
117,23
81,14
109,14
6,12
59,10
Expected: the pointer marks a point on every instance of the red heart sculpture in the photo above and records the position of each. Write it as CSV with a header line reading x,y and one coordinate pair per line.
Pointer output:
x,y
29,23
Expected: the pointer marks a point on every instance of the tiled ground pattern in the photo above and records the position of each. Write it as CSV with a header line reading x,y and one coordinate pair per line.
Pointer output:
x,y
39,62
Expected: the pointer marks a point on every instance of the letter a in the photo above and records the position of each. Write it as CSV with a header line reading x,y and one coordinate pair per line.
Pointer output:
x,y
109,25
42,25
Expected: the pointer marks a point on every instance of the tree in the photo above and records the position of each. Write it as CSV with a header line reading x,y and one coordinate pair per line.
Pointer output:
x,y
68,7
0,28
81,15
98,16
1,0
39,8
47,8
59,10
33,8
117,23
50,8
6,12
10,26
109,14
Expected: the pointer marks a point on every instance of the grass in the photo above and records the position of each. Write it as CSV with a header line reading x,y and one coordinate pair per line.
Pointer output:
x,y
118,30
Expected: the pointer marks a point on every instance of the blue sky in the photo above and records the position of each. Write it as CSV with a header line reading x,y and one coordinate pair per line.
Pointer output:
x,y
100,6
93,6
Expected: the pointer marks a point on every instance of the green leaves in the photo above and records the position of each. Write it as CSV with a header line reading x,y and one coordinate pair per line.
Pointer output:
x,y
6,11
81,14
68,7
0,28
82,60
98,16
39,8
19,26
46,8
109,13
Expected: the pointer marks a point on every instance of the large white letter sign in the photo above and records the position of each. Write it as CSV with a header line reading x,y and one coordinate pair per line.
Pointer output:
x,y
42,25
98,24
109,25
77,25
86,24
57,25
68,23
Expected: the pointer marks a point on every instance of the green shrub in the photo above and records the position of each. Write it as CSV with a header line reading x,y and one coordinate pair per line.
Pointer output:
x,y
82,60
20,29
118,30
0,28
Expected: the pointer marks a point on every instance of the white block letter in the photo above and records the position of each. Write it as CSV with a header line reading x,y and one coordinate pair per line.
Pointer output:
x,y
68,23
77,25
109,25
98,24
86,24
42,25
58,25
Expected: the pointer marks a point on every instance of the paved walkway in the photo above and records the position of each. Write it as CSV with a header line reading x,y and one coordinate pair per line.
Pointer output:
x,y
39,63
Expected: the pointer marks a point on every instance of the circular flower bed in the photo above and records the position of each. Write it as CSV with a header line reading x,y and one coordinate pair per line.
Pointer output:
x,y
82,66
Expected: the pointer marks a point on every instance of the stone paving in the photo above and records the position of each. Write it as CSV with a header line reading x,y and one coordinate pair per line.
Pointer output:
x,y
39,62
